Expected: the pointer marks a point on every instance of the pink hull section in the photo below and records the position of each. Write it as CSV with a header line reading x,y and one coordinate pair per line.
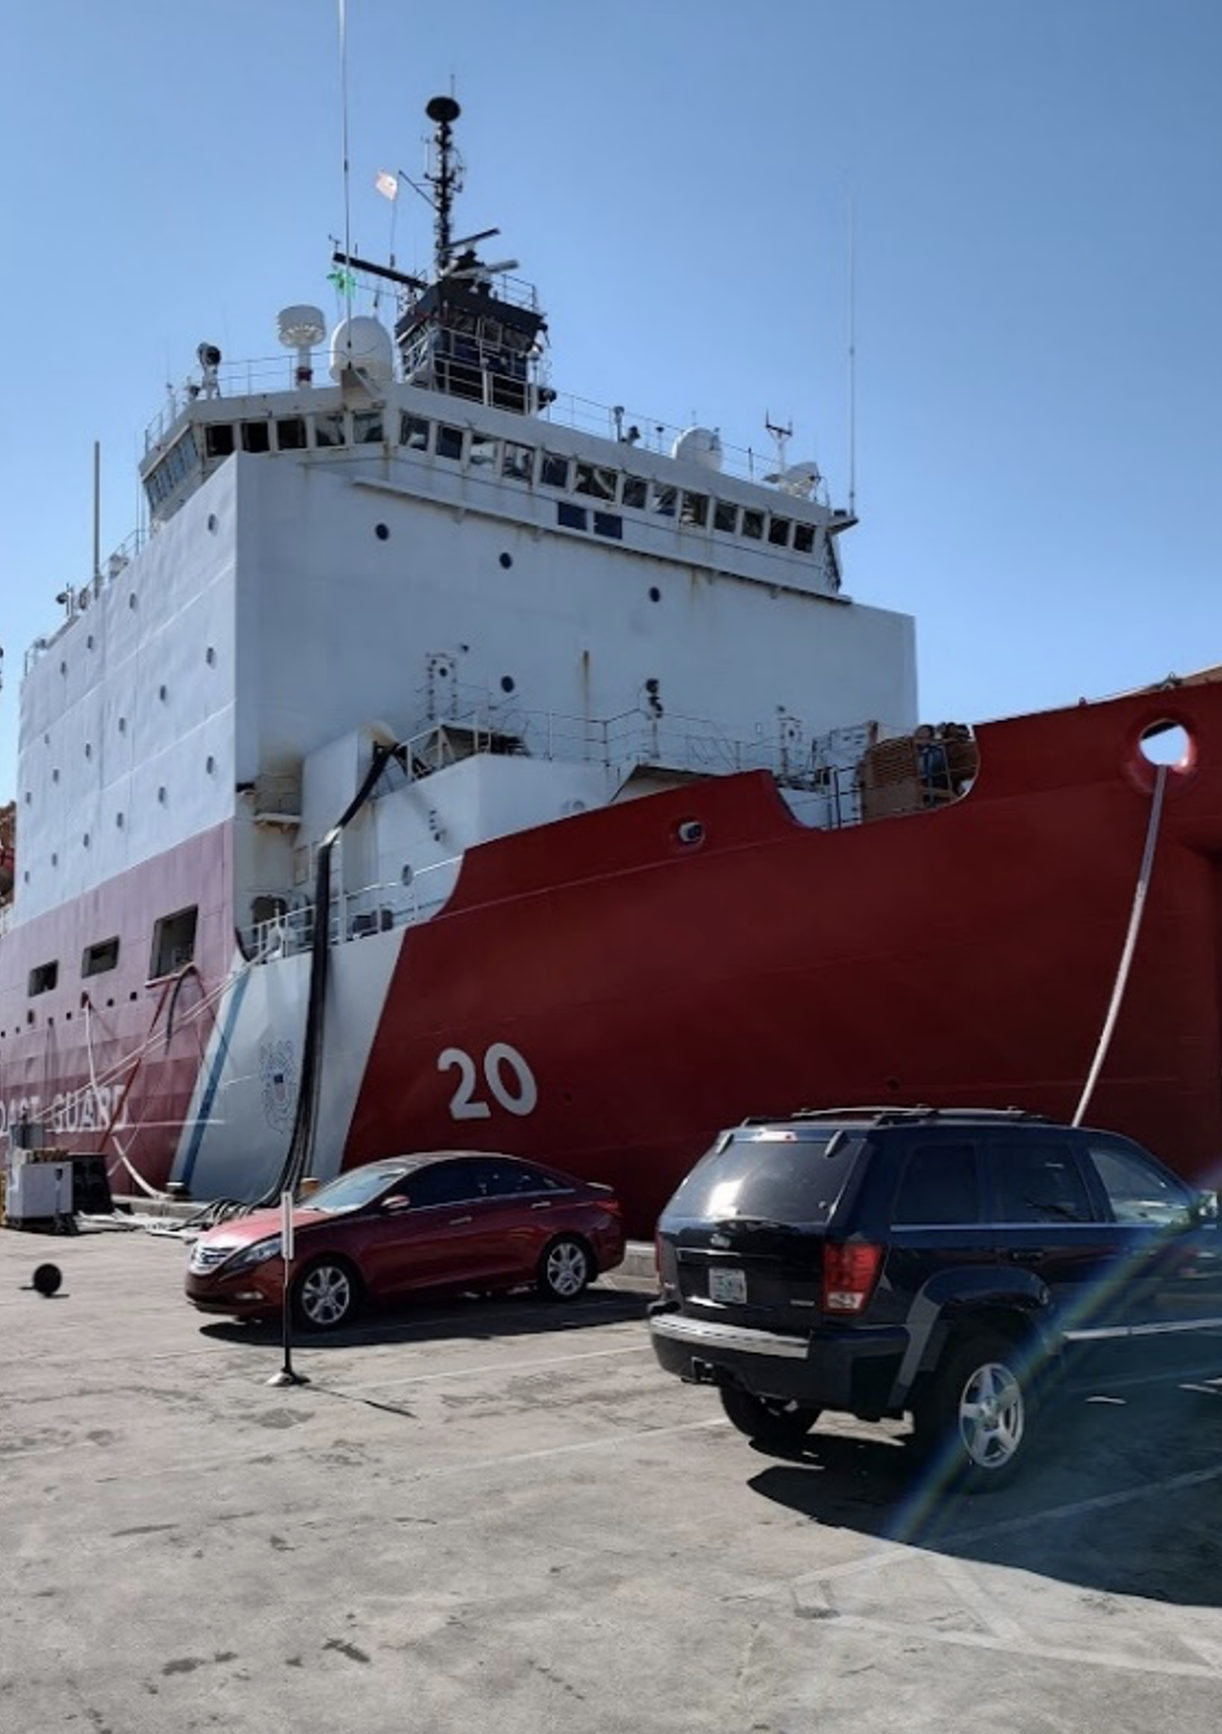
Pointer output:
x,y
107,1063
658,991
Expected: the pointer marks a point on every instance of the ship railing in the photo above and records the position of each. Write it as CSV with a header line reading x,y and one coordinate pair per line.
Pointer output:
x,y
376,908
646,734
627,427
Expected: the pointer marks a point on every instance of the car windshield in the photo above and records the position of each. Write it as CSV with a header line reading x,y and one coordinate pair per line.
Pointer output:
x,y
351,1191
778,1174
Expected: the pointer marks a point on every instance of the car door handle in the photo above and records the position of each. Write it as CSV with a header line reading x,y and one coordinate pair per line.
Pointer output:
x,y
456,1220
545,1205
1026,1254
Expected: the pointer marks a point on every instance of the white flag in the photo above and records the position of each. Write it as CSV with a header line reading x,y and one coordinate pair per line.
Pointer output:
x,y
387,184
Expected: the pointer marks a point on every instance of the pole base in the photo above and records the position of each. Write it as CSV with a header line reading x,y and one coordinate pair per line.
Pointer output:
x,y
286,1376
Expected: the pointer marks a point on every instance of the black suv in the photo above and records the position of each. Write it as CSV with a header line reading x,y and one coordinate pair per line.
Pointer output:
x,y
960,1266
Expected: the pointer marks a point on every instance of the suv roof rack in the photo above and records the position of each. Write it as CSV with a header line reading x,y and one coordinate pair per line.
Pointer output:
x,y
880,1116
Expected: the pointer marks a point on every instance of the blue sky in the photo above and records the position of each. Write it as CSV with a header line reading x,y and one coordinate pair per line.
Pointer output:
x,y
1038,245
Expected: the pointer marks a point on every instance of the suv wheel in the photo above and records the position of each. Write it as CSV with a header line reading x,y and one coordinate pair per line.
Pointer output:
x,y
978,1410
775,1425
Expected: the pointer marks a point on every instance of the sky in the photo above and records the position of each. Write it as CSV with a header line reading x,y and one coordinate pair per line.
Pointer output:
x,y
1036,272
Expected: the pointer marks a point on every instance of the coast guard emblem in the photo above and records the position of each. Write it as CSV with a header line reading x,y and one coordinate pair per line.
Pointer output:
x,y
279,1078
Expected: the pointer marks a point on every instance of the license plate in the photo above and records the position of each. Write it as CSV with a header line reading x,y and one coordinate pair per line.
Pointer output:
x,y
728,1286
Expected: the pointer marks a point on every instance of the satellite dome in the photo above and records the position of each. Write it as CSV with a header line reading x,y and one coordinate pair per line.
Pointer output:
x,y
363,342
699,445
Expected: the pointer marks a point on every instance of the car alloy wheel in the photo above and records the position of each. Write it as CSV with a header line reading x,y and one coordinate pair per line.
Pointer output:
x,y
979,1411
565,1269
325,1295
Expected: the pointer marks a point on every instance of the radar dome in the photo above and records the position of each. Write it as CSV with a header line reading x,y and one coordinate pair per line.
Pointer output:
x,y
363,342
301,327
699,445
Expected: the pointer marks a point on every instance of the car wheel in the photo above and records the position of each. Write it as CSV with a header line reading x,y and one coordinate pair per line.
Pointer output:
x,y
326,1295
977,1413
565,1269
769,1422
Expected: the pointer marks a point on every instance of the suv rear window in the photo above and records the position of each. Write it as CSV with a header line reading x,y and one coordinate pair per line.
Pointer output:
x,y
779,1174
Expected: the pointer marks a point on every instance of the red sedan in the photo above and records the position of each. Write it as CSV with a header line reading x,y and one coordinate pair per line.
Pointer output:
x,y
444,1220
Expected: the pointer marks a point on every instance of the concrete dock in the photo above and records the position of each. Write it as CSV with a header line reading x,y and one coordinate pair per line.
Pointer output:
x,y
502,1514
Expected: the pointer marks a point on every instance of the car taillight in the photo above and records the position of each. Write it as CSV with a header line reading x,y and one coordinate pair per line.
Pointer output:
x,y
849,1275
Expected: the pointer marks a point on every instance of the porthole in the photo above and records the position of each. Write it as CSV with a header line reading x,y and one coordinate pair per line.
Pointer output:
x,y
1166,743
689,833
507,683
55,775
212,523
405,877
506,561
210,764
63,668
54,859
122,725
382,532
119,821
655,595
131,601
88,750
89,642
163,693
210,657
85,841
161,794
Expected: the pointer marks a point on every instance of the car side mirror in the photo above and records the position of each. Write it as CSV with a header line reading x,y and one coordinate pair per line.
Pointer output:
x,y
1205,1209
396,1203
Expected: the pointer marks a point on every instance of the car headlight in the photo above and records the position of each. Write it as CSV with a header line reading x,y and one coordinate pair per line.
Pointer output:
x,y
259,1253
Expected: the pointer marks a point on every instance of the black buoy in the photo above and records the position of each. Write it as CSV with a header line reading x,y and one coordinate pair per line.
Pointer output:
x,y
47,1280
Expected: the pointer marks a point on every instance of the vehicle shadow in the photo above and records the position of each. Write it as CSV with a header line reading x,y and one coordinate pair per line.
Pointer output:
x,y
1117,1498
463,1317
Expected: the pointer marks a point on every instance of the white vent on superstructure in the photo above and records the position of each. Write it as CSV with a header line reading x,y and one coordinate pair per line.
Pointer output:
x,y
301,328
363,344
699,445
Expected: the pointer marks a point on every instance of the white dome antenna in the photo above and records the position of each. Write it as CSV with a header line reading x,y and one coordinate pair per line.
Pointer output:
x,y
362,345
301,328
699,445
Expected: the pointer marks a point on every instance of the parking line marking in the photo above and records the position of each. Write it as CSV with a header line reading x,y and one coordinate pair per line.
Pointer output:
x,y
495,1367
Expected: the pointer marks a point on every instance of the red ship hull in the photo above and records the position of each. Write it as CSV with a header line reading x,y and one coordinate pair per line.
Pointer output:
x,y
966,955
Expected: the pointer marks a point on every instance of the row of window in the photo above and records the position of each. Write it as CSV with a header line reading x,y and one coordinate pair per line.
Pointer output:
x,y
536,466
172,949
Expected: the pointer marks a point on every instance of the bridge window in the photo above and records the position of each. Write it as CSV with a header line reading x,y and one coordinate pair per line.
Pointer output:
x,y
725,516
449,442
609,524
803,538
483,451
695,509
218,439
572,517
329,429
595,479
367,429
753,525
778,532
518,461
636,492
554,471
413,433
256,436
291,433
664,500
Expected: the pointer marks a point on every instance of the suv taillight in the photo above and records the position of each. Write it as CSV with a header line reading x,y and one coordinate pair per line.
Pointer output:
x,y
849,1275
